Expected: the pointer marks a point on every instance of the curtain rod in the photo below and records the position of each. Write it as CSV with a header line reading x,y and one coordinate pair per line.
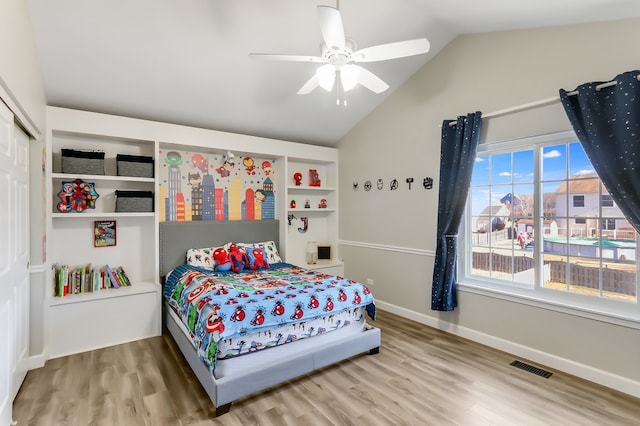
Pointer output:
x,y
517,108
541,102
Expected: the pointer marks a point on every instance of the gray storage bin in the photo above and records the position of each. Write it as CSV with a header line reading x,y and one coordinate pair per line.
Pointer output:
x,y
79,162
134,201
134,165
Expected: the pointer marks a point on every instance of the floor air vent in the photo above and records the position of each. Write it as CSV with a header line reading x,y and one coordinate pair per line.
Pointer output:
x,y
531,369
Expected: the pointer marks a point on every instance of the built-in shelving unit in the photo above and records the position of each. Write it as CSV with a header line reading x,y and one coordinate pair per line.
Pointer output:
x,y
85,321
321,222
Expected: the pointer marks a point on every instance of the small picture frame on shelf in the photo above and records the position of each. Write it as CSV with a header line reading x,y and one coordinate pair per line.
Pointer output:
x,y
314,178
324,252
104,233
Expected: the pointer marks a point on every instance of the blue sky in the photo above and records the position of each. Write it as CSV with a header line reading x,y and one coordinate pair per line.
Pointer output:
x,y
497,169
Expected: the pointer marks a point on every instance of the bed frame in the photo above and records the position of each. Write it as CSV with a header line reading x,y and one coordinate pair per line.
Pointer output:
x,y
293,359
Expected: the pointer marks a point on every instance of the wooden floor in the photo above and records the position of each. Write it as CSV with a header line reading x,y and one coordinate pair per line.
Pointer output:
x,y
420,377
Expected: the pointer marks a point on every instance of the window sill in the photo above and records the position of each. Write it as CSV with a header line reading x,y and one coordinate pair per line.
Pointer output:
x,y
524,296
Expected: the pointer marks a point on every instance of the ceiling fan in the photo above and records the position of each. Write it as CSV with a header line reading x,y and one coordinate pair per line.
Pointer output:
x,y
339,55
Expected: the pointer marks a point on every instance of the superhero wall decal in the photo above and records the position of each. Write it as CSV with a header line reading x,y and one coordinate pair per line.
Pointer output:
x,y
394,184
201,186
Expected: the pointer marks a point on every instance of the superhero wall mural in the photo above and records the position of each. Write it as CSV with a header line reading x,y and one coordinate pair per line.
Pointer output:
x,y
200,186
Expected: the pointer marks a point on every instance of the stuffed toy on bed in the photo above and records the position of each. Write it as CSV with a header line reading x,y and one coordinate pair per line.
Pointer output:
x,y
222,261
238,259
257,259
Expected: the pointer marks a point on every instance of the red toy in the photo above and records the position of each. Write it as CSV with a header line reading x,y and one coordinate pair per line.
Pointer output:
x,y
221,258
257,259
297,177
238,258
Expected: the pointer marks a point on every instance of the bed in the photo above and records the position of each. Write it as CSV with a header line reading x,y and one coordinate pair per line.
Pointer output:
x,y
229,379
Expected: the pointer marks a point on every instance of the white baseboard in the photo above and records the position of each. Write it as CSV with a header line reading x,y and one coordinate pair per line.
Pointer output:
x,y
37,361
583,371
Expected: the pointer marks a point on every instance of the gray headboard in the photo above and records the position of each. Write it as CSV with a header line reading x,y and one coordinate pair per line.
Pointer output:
x,y
178,237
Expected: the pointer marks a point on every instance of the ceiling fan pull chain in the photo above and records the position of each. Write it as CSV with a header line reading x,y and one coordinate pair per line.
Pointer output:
x,y
338,87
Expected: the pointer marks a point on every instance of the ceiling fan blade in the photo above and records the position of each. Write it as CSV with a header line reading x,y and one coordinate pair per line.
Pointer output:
x,y
371,81
289,58
309,86
331,27
400,49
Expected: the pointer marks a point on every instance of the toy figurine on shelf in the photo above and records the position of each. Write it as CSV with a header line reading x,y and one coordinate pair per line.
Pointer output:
x,y
297,177
292,204
314,177
322,204
307,204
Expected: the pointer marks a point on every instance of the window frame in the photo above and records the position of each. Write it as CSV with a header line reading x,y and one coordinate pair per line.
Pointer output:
x,y
576,198
607,310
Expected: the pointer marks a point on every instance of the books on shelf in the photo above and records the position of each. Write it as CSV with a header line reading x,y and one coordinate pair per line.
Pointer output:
x,y
80,279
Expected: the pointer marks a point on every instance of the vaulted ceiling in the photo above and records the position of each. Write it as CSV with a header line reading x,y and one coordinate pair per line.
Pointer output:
x,y
186,62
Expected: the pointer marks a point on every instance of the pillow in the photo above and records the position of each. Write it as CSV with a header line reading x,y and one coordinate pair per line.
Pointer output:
x,y
268,248
257,258
203,257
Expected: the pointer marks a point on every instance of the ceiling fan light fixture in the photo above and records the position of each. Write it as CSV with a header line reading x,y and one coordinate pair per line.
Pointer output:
x,y
326,75
338,52
349,75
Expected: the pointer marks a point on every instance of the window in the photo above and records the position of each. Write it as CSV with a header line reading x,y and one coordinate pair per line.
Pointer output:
x,y
534,226
607,224
578,201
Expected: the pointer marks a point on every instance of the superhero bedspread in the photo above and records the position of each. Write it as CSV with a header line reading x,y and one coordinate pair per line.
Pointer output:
x,y
222,306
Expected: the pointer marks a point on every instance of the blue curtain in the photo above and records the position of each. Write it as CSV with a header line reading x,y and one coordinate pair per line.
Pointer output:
x,y
457,156
607,123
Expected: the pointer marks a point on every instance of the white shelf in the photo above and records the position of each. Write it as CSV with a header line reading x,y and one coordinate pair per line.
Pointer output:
x,y
331,267
311,188
324,264
311,210
78,215
136,288
102,178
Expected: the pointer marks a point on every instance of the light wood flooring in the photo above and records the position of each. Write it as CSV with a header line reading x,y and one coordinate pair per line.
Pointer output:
x,y
421,376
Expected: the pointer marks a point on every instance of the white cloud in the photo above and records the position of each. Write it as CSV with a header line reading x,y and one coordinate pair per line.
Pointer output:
x,y
585,172
479,159
506,174
554,153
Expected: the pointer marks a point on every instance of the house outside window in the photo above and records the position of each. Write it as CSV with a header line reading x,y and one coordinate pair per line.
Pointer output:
x,y
539,224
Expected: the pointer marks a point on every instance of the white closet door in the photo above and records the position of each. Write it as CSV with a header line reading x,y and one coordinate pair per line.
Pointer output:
x,y
14,260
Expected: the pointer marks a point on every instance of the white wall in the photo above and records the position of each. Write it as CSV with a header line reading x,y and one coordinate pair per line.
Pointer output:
x,y
21,85
389,236
22,89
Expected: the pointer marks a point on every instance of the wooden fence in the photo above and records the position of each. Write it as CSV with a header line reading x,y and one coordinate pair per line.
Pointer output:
x,y
483,238
621,282
502,263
